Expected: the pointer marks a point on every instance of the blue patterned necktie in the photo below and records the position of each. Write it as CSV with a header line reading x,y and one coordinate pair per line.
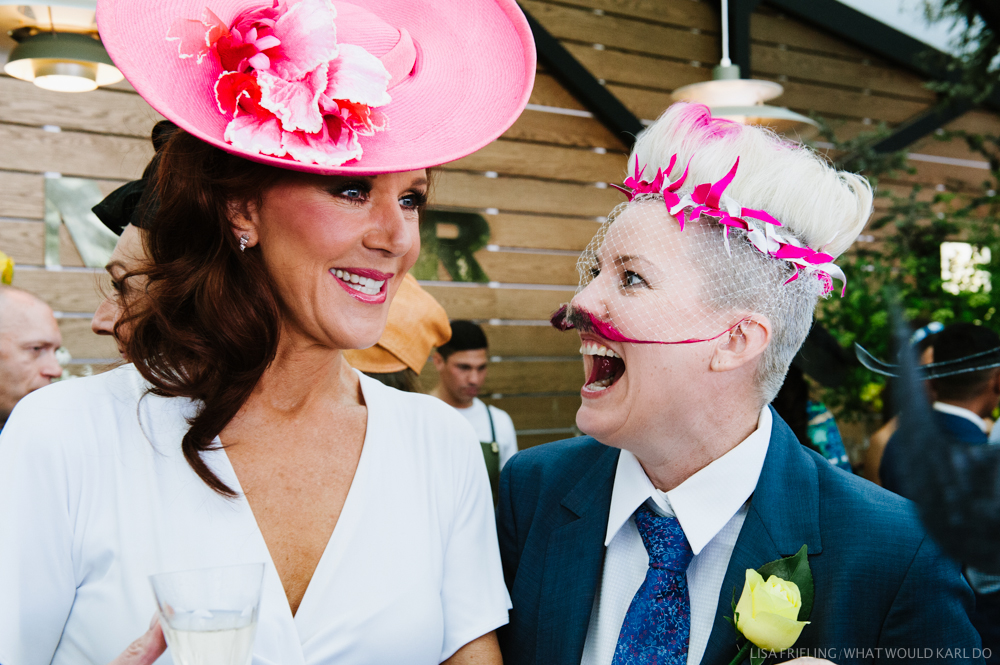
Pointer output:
x,y
658,623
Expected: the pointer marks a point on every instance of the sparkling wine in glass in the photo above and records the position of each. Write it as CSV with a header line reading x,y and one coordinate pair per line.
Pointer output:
x,y
209,616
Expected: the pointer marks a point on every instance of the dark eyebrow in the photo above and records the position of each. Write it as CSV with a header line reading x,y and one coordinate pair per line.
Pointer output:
x,y
420,182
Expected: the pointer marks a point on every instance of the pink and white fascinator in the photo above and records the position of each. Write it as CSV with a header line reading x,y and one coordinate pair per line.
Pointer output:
x,y
763,231
368,87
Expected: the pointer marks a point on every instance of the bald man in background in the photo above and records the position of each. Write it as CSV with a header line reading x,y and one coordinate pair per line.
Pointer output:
x,y
29,337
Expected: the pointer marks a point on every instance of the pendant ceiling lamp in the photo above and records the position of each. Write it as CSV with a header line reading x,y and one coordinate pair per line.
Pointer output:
x,y
60,59
742,100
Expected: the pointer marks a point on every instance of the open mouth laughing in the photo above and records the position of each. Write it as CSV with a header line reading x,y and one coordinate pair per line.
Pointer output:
x,y
605,367
368,286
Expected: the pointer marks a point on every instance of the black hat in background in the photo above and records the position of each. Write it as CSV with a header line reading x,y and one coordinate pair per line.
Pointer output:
x,y
130,204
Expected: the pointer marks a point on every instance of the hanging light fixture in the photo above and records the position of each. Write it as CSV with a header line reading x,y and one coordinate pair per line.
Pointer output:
x,y
64,61
742,100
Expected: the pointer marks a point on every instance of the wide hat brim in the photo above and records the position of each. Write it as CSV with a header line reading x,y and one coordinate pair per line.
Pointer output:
x,y
474,72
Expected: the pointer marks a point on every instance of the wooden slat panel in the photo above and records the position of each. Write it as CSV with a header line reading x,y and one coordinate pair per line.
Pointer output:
x,y
837,102
516,378
73,153
802,97
108,186
481,302
848,129
510,341
548,92
545,161
638,69
102,111
539,412
541,232
956,178
69,256
646,104
21,194
23,241
531,440
82,342
518,268
65,291
564,130
956,149
522,195
681,13
768,60
779,30
585,26
977,122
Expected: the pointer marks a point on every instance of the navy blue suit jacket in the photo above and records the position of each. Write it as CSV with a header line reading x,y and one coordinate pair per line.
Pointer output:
x,y
961,428
880,582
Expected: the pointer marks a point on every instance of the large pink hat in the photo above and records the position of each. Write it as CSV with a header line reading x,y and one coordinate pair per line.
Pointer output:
x,y
367,87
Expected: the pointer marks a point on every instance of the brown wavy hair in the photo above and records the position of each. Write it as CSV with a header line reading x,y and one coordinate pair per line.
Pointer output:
x,y
208,326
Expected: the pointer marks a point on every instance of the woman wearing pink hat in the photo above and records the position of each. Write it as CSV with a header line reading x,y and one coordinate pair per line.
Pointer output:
x,y
287,219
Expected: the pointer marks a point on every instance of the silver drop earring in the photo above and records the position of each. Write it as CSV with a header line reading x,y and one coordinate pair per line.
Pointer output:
x,y
244,239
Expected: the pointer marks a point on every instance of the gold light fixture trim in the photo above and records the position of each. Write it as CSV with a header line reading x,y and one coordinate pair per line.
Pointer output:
x,y
61,61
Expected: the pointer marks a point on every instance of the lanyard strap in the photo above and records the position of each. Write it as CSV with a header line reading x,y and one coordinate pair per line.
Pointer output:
x,y
493,432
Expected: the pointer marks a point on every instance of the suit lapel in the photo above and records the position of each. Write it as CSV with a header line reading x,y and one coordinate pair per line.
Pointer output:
x,y
573,561
783,516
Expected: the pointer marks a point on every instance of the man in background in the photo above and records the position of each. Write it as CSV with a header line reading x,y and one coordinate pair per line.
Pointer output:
x,y
963,401
29,337
962,404
461,365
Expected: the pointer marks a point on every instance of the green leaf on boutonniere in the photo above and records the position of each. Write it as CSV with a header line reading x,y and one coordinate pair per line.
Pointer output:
x,y
795,569
736,617
774,607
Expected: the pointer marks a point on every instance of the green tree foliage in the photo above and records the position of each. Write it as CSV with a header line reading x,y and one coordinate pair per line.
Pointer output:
x,y
973,74
910,224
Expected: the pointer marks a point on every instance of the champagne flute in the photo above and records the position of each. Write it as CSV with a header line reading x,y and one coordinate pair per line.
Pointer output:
x,y
209,616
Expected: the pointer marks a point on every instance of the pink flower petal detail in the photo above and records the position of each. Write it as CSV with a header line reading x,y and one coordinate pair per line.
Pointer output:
x,y
191,37
260,61
256,135
231,88
195,38
217,29
266,42
358,76
321,148
295,103
308,38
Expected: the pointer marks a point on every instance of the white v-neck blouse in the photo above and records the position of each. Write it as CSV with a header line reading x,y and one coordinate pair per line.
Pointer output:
x,y
95,496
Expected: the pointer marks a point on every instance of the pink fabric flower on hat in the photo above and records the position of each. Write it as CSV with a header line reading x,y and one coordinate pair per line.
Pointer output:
x,y
289,88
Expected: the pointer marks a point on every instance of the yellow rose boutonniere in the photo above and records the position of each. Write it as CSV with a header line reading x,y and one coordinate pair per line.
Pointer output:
x,y
772,612
6,269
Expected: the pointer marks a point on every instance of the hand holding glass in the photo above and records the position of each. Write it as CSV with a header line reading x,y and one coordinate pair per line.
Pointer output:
x,y
209,616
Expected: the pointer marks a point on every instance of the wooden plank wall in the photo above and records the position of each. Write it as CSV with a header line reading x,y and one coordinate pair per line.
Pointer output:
x,y
542,186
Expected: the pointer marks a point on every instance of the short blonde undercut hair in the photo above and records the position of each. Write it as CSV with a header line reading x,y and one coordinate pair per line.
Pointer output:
x,y
822,207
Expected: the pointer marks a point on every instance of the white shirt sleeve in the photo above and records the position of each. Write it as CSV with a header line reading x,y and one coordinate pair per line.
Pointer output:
x,y
473,593
37,504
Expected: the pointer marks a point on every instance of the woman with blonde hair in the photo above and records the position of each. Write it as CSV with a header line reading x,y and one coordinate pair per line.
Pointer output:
x,y
287,220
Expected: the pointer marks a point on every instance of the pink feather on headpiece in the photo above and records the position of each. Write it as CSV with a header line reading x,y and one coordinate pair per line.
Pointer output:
x,y
710,200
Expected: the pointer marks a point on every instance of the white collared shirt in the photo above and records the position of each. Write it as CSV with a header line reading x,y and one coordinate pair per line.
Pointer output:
x,y
710,506
953,410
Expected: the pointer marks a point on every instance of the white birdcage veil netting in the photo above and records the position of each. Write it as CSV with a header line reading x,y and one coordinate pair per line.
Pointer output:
x,y
644,279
